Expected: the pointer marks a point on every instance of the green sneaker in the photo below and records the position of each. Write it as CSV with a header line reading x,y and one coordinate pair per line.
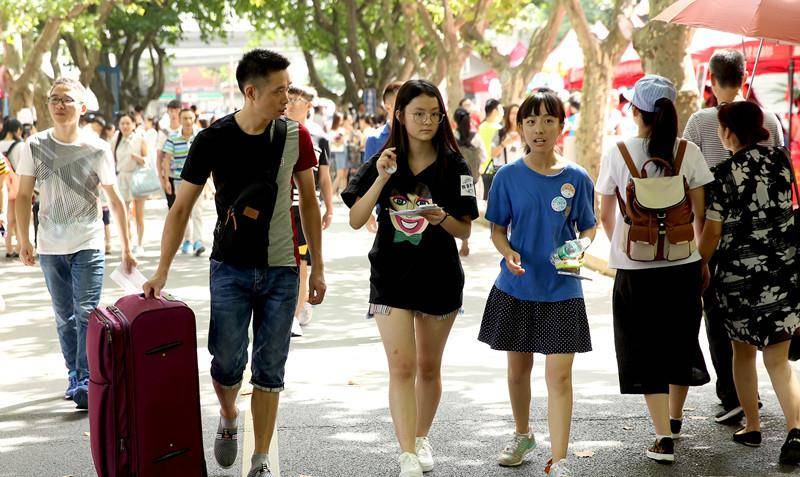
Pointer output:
x,y
516,450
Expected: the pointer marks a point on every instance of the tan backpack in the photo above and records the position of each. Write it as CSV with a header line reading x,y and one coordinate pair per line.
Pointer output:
x,y
658,212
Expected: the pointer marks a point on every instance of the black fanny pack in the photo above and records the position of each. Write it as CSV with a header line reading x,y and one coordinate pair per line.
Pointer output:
x,y
242,235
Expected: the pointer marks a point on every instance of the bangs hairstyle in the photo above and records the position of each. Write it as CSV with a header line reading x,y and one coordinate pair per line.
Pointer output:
x,y
444,141
533,105
303,92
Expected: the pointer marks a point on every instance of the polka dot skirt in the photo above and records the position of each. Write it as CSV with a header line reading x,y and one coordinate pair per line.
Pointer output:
x,y
510,324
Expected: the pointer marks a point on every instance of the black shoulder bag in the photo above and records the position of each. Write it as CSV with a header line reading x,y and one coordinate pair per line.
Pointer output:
x,y
243,234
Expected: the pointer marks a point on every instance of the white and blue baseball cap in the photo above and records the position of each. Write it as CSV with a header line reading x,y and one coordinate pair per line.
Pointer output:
x,y
650,89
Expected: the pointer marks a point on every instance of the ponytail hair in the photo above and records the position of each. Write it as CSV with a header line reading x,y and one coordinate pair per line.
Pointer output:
x,y
746,120
663,123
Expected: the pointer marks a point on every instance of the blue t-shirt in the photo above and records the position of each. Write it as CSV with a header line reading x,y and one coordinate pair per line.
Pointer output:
x,y
542,212
375,142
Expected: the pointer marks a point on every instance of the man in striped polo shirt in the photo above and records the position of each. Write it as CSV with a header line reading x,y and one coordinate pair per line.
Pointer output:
x,y
727,77
176,150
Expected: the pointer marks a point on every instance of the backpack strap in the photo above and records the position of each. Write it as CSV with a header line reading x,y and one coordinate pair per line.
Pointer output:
x,y
626,155
676,167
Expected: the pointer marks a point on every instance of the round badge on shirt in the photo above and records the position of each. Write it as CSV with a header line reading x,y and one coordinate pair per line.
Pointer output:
x,y
568,190
559,204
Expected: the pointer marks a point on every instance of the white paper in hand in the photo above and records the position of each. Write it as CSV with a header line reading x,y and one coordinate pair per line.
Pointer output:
x,y
131,283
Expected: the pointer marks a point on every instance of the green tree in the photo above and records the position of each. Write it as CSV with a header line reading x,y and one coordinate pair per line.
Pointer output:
x,y
367,38
663,48
29,33
600,58
135,35
548,18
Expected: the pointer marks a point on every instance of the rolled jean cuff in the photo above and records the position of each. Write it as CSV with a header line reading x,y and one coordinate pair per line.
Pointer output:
x,y
267,389
222,384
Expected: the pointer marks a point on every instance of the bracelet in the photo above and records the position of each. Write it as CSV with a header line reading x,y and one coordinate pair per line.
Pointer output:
x,y
446,215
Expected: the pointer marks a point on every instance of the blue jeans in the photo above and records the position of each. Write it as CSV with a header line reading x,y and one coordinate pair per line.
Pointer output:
x,y
269,295
75,282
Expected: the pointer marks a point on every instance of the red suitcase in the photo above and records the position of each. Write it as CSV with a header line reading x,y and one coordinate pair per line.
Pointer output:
x,y
144,391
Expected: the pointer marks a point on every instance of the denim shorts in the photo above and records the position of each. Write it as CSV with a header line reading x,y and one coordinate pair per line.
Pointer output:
x,y
269,296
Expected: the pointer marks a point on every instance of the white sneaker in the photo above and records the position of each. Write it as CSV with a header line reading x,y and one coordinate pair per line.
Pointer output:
x,y
425,454
305,316
560,469
297,330
409,465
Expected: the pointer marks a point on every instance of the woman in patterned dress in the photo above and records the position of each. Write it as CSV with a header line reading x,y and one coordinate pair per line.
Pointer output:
x,y
750,217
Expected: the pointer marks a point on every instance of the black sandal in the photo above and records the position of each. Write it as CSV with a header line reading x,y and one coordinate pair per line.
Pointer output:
x,y
750,439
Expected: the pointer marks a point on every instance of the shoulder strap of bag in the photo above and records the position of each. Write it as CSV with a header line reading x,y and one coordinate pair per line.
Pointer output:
x,y
676,169
277,144
626,155
11,148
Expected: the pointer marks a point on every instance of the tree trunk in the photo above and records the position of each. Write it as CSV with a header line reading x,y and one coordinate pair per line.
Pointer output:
x,y
597,81
657,44
455,88
43,119
514,86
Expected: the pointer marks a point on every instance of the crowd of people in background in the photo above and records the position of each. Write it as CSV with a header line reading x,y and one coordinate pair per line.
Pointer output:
x,y
731,253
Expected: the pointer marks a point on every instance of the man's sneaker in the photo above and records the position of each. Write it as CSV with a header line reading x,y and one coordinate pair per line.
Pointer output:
x,y
81,395
790,451
515,452
198,248
559,469
71,387
297,330
261,470
409,465
662,451
226,445
186,247
305,315
425,454
730,415
675,427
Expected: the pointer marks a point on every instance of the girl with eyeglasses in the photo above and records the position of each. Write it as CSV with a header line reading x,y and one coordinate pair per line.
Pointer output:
x,y
416,280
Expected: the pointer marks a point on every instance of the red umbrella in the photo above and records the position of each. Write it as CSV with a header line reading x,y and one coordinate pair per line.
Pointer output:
x,y
771,19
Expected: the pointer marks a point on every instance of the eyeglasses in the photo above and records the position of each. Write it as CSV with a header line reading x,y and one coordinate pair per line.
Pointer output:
x,y
63,100
422,118
297,99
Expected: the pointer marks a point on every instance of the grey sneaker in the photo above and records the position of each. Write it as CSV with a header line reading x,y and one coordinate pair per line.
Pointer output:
x,y
516,450
560,469
261,470
226,445
425,454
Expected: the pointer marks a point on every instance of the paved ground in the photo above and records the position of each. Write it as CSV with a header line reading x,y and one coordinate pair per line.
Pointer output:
x,y
334,419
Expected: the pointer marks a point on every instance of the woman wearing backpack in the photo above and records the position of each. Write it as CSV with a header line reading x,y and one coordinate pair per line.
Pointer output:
x,y
471,147
660,276
750,217
545,201
420,166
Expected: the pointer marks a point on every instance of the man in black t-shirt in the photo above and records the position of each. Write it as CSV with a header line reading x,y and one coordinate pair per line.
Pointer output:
x,y
266,288
300,105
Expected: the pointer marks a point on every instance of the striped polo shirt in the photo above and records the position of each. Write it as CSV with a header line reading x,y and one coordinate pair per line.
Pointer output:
x,y
702,126
178,147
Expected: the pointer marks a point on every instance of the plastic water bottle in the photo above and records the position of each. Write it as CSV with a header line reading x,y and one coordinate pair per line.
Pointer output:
x,y
571,249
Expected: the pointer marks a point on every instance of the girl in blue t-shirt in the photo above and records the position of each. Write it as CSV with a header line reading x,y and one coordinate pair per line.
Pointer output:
x,y
546,201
